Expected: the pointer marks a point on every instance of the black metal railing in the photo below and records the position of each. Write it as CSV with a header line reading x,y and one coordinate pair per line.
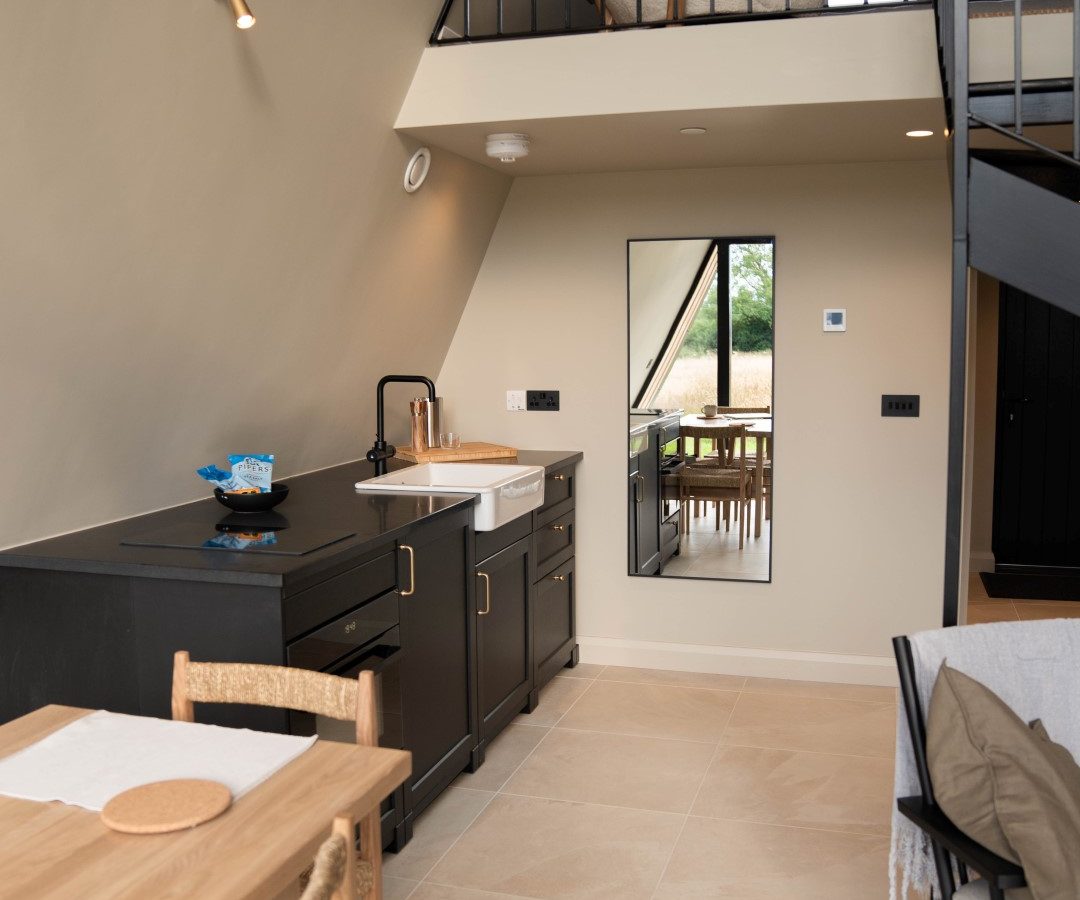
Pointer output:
x,y
466,21
1027,95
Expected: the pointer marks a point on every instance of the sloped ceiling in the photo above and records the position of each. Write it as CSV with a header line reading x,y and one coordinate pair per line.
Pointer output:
x,y
661,275
207,248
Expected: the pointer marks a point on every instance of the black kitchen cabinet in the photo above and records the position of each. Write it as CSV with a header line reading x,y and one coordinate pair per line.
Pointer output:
x,y
554,619
87,620
504,663
644,511
438,637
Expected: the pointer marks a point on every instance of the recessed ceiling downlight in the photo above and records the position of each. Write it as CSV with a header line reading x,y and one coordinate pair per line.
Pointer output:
x,y
694,129
507,147
920,132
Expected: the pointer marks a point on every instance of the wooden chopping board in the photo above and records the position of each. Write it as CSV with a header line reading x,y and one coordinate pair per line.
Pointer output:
x,y
473,450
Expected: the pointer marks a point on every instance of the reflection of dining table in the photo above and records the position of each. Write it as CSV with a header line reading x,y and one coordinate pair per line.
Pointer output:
x,y
758,426
256,848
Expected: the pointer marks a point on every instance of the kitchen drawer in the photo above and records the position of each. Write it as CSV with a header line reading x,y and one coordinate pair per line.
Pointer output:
x,y
669,533
325,646
553,622
558,495
554,544
336,596
667,434
488,543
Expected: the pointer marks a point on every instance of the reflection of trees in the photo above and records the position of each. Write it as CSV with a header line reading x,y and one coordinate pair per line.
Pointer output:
x,y
751,291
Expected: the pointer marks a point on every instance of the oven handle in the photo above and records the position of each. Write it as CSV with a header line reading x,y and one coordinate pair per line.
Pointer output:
x,y
379,653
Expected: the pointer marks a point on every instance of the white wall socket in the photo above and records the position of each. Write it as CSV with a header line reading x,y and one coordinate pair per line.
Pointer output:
x,y
515,401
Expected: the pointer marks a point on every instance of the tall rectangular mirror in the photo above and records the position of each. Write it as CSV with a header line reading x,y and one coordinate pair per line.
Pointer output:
x,y
700,498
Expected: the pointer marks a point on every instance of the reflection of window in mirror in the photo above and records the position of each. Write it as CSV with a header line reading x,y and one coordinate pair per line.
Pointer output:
x,y
701,387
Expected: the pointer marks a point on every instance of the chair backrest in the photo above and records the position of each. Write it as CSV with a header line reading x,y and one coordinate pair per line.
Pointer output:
x,y
729,440
278,686
333,874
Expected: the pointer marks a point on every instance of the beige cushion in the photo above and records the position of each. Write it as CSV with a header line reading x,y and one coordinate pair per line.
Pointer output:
x,y
1006,784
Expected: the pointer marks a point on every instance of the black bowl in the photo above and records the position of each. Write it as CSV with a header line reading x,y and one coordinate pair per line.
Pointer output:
x,y
252,503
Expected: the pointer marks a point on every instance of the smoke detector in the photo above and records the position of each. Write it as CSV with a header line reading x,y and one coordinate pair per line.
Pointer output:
x,y
507,147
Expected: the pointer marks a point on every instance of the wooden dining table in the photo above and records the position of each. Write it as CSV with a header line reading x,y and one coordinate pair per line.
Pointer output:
x,y
759,427
255,849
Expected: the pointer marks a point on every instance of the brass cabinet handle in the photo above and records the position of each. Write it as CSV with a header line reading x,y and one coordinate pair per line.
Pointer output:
x,y
487,594
558,578
412,571
558,478
558,528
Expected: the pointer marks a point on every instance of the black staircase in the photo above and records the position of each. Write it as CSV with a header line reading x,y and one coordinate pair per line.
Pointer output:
x,y
1016,214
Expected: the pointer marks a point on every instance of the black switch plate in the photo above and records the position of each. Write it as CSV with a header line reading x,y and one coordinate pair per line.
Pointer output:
x,y
542,401
903,405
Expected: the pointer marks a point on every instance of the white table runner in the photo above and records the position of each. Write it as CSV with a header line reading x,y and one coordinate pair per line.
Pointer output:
x,y
94,758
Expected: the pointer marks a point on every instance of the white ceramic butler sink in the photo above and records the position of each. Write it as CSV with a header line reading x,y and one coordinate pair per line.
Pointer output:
x,y
505,492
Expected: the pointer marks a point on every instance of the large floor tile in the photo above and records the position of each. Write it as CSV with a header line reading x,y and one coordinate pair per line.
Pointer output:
x,y
561,851
502,757
556,697
976,588
722,860
432,891
1029,610
982,612
436,829
676,679
582,670
398,888
618,770
851,727
821,689
793,787
652,710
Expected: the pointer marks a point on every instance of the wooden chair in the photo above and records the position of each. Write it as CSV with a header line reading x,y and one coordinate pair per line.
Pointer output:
x,y
948,841
333,877
723,478
307,691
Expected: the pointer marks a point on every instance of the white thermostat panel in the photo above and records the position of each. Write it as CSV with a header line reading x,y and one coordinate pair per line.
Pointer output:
x,y
835,320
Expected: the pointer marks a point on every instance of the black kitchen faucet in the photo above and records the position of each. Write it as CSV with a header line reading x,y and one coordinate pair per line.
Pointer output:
x,y
382,451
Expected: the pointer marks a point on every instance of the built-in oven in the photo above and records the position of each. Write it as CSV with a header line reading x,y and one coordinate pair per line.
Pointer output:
x,y
366,637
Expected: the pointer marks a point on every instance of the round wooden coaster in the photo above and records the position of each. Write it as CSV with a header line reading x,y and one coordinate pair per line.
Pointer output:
x,y
166,806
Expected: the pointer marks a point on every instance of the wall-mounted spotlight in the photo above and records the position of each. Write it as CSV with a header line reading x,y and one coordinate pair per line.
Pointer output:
x,y
244,18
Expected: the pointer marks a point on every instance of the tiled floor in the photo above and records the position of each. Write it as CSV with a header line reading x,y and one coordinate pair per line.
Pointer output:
x,y
708,553
983,608
631,783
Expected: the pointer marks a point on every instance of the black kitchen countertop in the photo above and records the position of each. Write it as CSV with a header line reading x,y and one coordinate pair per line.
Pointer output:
x,y
324,501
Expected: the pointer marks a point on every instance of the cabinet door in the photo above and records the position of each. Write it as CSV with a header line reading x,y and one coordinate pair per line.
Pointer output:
x,y
649,508
503,636
553,622
633,515
437,632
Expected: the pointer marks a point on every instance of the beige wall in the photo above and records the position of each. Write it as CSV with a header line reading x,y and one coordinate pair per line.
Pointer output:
x,y
820,60
860,500
205,247
984,397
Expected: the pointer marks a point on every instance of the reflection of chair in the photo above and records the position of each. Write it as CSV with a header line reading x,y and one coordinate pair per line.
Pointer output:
x,y
339,698
723,478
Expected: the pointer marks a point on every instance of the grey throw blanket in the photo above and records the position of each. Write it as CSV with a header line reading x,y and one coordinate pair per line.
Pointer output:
x,y
1033,666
